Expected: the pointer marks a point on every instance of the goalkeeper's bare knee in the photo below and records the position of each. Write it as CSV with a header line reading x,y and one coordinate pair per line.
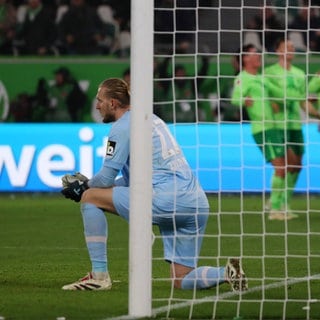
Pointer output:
x,y
101,197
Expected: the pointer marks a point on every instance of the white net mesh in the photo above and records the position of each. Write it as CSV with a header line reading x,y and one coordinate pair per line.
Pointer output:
x,y
196,49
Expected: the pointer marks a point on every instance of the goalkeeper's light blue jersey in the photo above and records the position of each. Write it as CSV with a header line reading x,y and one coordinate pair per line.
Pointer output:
x,y
173,182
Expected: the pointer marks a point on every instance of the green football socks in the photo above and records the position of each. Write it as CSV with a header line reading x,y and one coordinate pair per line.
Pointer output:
x,y
277,192
291,179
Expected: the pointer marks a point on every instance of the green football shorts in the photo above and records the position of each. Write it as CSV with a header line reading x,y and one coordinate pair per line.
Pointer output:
x,y
271,143
295,141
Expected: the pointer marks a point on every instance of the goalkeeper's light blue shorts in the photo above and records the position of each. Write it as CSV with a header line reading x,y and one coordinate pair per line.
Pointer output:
x,y
182,229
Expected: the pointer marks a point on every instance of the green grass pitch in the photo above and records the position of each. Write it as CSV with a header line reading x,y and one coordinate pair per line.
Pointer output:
x,y
42,248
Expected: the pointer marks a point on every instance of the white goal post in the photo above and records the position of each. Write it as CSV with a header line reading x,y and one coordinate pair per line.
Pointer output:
x,y
281,258
140,245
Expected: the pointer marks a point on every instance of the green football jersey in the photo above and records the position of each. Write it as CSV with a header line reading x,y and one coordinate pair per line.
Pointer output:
x,y
314,88
289,91
260,113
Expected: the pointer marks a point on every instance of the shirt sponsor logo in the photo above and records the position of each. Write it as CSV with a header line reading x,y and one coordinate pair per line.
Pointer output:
x,y
111,146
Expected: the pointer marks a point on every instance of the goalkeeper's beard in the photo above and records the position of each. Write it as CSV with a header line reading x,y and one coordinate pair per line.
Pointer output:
x,y
109,118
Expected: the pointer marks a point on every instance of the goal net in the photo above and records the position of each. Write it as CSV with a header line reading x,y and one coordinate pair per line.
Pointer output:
x,y
198,53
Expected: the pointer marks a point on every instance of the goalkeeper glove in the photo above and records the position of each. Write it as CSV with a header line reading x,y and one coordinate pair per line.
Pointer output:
x,y
74,185
75,190
69,178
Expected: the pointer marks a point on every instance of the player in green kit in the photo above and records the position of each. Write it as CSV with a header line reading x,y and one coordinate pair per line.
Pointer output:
x,y
251,91
314,89
292,82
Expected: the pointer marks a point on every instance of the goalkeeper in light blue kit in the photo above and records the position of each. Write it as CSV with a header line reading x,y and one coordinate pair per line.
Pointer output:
x,y
179,206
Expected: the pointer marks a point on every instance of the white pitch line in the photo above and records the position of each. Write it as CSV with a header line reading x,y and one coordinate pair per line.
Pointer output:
x,y
42,248
223,296
53,248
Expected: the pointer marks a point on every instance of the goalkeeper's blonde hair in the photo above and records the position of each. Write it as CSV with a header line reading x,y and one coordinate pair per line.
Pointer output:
x,y
118,89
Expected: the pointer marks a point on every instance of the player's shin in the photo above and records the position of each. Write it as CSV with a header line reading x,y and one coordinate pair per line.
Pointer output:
x,y
277,191
291,179
203,278
96,231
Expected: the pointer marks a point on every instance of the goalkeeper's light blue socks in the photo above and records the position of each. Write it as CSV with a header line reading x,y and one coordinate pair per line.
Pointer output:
x,y
96,232
203,278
